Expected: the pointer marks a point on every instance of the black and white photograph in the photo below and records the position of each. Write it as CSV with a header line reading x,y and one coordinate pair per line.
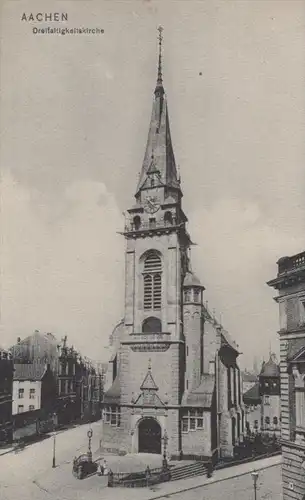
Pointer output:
x,y
152,249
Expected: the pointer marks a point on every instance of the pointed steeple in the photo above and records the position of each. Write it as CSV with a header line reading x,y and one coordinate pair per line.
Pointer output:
x,y
159,161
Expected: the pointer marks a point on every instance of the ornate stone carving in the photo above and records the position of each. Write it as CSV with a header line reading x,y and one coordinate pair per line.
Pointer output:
x,y
149,347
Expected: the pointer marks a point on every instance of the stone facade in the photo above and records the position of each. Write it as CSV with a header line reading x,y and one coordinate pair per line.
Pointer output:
x,y
290,283
173,376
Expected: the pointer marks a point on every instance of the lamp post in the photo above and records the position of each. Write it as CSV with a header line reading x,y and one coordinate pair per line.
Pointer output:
x,y
165,441
89,434
254,475
54,443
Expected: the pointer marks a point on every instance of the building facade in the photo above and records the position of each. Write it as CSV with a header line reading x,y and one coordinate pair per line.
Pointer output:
x,y
34,388
262,401
173,375
290,284
269,390
6,396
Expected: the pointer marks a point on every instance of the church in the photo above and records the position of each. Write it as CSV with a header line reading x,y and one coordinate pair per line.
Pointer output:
x,y
173,380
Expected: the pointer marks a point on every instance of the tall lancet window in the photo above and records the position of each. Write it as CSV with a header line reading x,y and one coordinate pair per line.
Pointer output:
x,y
152,281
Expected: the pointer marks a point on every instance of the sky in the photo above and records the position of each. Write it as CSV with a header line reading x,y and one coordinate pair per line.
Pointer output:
x,y
75,112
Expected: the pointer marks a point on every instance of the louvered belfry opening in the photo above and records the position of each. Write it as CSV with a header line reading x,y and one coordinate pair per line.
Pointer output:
x,y
152,282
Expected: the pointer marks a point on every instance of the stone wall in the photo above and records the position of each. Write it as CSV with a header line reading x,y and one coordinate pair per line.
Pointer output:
x,y
198,442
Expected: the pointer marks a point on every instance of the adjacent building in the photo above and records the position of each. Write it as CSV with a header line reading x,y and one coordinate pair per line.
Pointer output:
x,y
248,380
173,375
262,401
290,284
38,347
6,396
34,388
269,390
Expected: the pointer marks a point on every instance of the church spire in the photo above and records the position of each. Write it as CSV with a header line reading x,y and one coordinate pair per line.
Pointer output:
x,y
159,161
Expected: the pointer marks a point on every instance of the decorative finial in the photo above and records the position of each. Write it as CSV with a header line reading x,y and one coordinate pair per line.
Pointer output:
x,y
160,38
159,86
149,364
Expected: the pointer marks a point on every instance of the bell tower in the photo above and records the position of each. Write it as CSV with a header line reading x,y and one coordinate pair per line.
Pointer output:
x,y
155,231
156,261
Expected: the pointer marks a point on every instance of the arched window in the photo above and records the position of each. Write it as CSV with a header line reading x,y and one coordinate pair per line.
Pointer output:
x,y
152,281
168,218
151,325
196,295
137,222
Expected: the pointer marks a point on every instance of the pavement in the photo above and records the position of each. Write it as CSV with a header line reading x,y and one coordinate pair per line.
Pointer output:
x,y
29,475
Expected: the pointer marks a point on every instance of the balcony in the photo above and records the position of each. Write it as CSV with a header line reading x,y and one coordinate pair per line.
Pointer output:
x,y
151,226
288,264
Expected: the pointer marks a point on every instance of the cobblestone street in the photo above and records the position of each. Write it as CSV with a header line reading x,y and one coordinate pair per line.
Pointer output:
x,y
29,475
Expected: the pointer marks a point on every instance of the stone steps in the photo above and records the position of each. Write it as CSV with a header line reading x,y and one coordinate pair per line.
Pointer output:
x,y
189,470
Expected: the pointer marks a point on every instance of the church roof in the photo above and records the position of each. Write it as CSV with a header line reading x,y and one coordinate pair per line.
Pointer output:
x,y
270,369
113,395
202,396
191,280
159,156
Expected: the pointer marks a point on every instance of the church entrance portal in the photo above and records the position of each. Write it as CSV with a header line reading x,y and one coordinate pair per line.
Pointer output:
x,y
149,436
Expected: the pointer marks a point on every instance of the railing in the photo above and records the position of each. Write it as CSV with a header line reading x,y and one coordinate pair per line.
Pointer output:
x,y
138,479
147,226
290,263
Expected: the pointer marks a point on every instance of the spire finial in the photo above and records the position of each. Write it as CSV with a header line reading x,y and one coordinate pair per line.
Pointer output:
x,y
160,38
149,364
159,86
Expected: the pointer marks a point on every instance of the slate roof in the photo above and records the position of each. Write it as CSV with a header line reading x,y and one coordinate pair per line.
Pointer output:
x,y
113,395
29,371
191,280
159,153
201,396
252,396
270,369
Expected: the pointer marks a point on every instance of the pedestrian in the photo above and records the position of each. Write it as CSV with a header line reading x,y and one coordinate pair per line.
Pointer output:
x,y
101,469
105,468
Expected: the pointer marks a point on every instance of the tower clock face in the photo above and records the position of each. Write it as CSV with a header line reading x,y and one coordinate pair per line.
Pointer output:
x,y
151,204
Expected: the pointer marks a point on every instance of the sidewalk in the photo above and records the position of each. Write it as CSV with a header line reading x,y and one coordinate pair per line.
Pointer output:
x,y
60,483
192,483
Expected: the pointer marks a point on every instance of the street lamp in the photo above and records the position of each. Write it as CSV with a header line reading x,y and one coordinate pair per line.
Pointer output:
x,y
254,475
165,441
89,434
54,442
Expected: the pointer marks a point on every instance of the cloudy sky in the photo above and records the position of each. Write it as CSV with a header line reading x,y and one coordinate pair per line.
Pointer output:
x,y
75,111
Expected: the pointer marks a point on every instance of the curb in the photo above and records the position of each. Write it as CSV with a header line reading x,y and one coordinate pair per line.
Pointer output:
x,y
6,452
214,480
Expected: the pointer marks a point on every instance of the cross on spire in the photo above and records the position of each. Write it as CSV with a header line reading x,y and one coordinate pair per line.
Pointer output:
x,y
160,38
159,87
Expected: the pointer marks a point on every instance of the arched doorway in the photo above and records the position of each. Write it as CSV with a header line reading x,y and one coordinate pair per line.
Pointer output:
x,y
149,436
